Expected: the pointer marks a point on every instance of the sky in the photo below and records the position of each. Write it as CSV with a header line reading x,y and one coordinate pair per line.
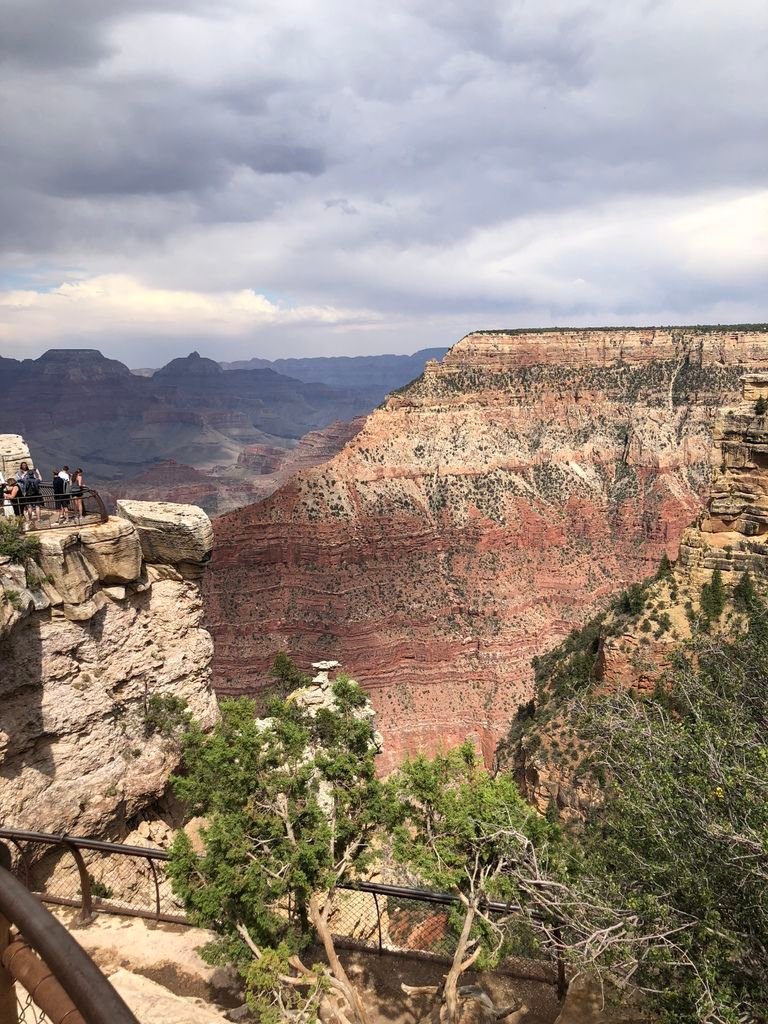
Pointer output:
x,y
319,177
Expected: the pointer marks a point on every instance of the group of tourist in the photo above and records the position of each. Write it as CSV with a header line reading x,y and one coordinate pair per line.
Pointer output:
x,y
23,496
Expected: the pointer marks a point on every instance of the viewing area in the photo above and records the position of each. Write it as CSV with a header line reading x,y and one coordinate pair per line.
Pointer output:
x,y
50,511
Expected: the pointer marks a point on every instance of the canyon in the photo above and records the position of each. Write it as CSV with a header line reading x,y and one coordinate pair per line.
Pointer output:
x,y
192,431
634,646
478,516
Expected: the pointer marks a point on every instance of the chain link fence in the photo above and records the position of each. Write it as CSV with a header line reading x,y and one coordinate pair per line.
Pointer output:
x,y
27,1011
113,878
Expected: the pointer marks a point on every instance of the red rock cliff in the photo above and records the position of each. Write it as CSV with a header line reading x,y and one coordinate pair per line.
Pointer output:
x,y
480,514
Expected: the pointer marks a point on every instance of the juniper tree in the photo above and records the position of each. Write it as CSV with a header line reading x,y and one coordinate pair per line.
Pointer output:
x,y
462,831
682,837
290,804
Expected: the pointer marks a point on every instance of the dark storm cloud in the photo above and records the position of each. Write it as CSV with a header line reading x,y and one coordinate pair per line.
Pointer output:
x,y
46,34
501,158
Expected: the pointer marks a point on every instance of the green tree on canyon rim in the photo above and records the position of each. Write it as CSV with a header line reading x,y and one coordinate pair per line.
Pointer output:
x,y
290,804
468,833
677,843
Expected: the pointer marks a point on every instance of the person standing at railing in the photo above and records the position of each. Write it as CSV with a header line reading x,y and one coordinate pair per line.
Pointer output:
x,y
32,496
13,495
5,489
64,477
58,490
76,493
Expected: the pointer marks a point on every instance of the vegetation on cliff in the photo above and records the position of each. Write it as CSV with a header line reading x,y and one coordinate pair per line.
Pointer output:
x,y
292,808
679,834
14,543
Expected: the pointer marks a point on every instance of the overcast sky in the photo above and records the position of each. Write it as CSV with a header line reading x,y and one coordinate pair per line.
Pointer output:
x,y
299,177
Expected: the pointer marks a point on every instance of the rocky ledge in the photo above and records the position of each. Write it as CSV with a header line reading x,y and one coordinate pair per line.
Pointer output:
x,y
101,645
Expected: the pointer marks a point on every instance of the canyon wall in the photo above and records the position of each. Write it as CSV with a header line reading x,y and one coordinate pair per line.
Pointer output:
x,y
633,646
101,620
478,516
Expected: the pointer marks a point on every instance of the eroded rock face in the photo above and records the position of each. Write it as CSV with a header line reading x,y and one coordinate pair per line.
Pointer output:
x,y
13,451
636,649
477,518
90,632
171,534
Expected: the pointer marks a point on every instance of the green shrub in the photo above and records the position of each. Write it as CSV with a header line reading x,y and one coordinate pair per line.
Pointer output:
x,y
713,597
14,543
165,714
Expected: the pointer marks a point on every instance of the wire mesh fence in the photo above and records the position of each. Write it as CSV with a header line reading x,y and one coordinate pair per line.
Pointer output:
x,y
113,878
26,1009
98,877
415,922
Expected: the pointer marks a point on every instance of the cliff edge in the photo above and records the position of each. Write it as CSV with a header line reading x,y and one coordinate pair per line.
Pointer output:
x,y
97,631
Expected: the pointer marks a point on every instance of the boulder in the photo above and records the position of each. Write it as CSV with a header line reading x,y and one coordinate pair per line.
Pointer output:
x,y
113,550
13,450
171,534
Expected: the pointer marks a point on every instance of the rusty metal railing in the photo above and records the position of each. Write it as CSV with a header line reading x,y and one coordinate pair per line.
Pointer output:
x,y
142,892
50,510
39,954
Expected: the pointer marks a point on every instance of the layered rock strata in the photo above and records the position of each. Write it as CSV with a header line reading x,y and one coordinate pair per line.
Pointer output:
x,y
477,517
100,621
633,647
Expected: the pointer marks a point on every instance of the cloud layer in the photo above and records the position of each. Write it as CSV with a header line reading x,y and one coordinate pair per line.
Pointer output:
x,y
283,178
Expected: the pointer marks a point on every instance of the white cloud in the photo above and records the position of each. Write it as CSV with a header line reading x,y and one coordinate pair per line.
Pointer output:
x,y
121,304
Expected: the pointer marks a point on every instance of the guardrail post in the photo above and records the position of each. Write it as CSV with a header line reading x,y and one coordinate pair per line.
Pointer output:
x,y
378,919
157,887
86,914
8,1011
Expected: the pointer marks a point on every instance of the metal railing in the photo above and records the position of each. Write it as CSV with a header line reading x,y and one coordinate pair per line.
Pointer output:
x,y
95,876
115,878
51,511
37,954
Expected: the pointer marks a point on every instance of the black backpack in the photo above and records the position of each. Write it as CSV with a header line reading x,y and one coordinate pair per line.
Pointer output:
x,y
31,485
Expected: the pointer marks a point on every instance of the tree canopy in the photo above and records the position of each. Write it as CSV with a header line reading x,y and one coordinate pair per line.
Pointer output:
x,y
289,805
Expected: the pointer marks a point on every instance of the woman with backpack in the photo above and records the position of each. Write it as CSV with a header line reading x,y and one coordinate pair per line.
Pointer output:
x,y
32,499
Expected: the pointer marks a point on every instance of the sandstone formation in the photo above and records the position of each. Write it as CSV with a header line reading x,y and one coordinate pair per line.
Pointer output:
x,y
633,649
171,534
152,1003
13,450
730,535
90,631
478,516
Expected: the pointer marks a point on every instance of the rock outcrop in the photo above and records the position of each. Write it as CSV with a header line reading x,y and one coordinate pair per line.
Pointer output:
x,y
91,630
170,534
731,534
478,516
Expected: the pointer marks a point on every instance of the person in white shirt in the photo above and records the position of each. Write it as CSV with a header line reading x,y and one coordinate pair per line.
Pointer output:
x,y
63,498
